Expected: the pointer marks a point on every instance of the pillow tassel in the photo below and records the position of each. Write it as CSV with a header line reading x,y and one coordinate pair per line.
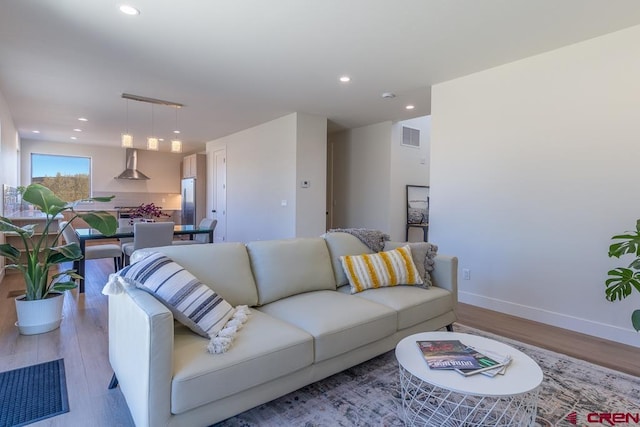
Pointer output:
x,y
219,345
115,285
224,338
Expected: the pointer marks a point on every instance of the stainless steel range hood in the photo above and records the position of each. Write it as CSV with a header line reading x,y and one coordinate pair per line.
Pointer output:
x,y
131,171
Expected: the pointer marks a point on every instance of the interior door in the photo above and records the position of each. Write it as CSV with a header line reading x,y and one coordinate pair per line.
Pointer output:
x,y
220,194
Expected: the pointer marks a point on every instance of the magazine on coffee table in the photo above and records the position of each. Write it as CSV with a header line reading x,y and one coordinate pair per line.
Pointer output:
x,y
453,354
493,363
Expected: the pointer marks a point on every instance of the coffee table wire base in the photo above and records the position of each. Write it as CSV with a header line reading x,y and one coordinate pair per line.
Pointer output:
x,y
424,404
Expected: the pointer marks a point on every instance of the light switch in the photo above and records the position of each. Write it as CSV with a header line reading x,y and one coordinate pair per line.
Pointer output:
x,y
283,203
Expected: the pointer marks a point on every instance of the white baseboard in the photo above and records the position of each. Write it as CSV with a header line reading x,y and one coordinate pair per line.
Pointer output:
x,y
585,326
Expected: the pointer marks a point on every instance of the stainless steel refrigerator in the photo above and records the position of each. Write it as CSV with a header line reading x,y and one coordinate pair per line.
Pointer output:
x,y
188,214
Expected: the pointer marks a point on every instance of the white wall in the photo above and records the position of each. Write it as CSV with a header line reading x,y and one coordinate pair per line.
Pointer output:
x,y
361,170
371,169
534,168
262,173
162,168
311,163
9,146
409,166
9,151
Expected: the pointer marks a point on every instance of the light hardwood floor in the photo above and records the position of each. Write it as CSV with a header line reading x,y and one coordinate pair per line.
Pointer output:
x,y
82,342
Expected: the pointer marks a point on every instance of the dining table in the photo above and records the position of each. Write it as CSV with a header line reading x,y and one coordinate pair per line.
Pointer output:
x,y
86,234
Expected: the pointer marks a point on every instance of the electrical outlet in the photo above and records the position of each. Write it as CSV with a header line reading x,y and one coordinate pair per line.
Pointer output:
x,y
466,274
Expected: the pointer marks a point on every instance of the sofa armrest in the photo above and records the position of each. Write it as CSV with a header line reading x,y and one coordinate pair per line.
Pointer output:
x,y
141,354
445,275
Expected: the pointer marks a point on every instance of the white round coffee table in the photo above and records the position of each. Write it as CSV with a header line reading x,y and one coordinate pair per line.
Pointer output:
x,y
433,397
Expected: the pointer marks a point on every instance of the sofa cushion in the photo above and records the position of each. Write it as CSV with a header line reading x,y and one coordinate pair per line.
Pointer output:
x,y
288,267
423,254
382,269
413,304
224,267
192,303
266,349
339,244
338,322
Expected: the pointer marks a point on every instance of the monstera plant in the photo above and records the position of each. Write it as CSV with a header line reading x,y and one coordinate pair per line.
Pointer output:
x,y
623,280
37,256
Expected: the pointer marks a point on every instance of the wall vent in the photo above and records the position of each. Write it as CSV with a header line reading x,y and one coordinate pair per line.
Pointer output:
x,y
410,137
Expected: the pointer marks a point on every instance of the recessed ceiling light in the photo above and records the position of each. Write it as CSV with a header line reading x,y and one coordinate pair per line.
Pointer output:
x,y
345,79
161,139
35,131
388,95
74,137
410,107
83,119
77,130
176,131
129,10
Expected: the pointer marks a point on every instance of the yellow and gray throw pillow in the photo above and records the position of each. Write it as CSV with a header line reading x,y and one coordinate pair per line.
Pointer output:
x,y
382,269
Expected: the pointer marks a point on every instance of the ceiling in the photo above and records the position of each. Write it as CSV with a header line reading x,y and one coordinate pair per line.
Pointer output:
x,y
238,63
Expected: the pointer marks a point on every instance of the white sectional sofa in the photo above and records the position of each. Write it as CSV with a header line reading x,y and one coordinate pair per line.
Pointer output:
x,y
305,325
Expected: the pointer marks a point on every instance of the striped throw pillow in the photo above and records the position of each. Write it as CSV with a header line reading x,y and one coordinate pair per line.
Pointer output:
x,y
192,303
390,268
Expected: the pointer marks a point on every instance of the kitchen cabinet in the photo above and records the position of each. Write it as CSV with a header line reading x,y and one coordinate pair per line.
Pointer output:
x,y
193,165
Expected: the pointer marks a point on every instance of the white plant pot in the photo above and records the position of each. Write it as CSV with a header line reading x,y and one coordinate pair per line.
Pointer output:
x,y
39,316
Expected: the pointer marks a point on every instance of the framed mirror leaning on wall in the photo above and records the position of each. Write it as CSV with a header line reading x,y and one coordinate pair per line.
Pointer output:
x,y
418,209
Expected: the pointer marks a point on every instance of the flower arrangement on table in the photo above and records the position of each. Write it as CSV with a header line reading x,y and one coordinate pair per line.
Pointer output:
x,y
148,212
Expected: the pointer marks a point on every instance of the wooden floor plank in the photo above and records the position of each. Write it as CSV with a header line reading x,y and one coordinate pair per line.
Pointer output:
x,y
82,341
611,354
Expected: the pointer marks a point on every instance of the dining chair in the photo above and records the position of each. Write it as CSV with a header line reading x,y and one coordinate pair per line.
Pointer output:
x,y
106,250
126,224
198,239
148,235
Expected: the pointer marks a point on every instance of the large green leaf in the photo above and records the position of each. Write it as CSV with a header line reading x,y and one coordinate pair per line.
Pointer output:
x,y
621,282
65,253
43,198
635,320
102,221
6,250
630,245
71,273
63,286
7,225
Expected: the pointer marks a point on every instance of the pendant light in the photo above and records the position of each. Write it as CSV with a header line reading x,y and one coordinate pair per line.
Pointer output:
x,y
152,141
176,144
126,138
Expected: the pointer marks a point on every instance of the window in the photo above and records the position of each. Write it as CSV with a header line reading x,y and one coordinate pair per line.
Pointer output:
x,y
67,176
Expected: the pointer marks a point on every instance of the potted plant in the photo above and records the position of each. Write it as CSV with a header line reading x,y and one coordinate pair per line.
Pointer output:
x,y
41,252
148,212
623,280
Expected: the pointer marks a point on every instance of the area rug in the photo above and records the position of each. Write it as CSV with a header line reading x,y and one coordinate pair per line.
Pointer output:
x,y
33,393
573,392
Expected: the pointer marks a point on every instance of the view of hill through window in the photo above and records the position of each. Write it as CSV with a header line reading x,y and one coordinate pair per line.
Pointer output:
x,y
69,177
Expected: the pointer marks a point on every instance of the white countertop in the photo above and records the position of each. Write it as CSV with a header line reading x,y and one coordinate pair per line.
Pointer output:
x,y
31,215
